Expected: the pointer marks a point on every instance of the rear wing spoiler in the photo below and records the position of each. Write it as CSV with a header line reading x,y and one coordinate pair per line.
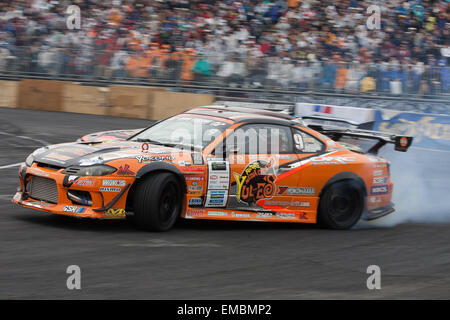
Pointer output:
x,y
336,128
401,143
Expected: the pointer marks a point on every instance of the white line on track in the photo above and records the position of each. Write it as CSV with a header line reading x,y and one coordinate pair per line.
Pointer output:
x,y
159,243
42,142
10,165
6,197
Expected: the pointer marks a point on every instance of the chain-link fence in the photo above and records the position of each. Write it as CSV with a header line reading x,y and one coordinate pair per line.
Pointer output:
x,y
232,71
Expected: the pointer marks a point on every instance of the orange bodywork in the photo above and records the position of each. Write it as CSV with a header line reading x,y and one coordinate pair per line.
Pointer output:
x,y
251,187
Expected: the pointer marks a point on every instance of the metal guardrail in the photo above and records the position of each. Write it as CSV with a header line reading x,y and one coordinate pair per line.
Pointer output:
x,y
229,73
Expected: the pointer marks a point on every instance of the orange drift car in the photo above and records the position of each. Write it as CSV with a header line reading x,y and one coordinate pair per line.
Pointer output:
x,y
214,163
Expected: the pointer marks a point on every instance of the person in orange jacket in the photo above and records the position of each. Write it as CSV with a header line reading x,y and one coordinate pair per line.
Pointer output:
x,y
341,76
132,66
189,59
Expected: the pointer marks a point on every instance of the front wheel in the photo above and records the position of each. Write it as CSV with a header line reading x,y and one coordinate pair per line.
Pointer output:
x,y
157,202
341,205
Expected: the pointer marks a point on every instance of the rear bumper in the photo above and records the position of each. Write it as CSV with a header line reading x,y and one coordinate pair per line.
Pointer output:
x,y
378,213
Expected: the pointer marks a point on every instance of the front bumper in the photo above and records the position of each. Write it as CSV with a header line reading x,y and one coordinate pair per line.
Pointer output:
x,y
105,204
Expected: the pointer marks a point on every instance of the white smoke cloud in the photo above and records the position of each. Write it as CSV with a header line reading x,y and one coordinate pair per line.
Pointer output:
x,y
421,188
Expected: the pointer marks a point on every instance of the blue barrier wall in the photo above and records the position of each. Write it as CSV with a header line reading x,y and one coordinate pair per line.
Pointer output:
x,y
429,130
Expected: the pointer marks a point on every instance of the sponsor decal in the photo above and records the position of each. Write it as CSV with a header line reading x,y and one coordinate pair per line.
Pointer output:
x,y
81,210
110,189
284,215
194,213
125,171
302,216
115,212
218,175
332,160
296,190
373,200
71,209
195,188
217,213
219,166
191,169
195,201
84,182
379,180
71,179
216,198
375,190
114,183
380,165
403,141
429,131
183,163
256,182
240,215
264,215
378,172
286,203
194,178
147,159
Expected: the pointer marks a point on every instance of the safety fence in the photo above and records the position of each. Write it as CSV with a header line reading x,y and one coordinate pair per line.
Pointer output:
x,y
222,70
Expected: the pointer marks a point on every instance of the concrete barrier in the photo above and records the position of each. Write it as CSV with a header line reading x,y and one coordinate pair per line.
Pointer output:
x,y
40,94
79,98
8,93
166,104
115,100
131,101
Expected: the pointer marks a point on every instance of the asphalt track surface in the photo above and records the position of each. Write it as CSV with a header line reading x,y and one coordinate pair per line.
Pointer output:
x,y
197,260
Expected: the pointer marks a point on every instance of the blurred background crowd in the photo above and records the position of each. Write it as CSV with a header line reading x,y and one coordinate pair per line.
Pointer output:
x,y
295,45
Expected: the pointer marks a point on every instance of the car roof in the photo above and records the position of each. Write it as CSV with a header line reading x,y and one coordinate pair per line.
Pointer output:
x,y
247,115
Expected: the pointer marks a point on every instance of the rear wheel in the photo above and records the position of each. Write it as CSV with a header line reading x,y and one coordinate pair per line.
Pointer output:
x,y
157,202
341,205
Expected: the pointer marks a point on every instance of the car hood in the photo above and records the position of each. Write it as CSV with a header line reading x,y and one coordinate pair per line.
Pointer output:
x,y
85,154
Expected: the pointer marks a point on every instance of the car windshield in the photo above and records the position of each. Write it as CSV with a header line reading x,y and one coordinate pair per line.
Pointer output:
x,y
183,131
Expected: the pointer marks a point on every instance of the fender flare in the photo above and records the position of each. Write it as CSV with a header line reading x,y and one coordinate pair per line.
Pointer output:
x,y
345,175
162,166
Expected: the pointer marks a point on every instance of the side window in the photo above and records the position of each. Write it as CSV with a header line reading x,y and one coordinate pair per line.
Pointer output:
x,y
260,139
306,143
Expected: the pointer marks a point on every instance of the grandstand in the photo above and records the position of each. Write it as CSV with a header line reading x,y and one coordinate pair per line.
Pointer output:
x,y
296,50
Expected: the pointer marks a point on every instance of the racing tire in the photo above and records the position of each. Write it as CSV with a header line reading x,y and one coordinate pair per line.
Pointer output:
x,y
341,205
157,202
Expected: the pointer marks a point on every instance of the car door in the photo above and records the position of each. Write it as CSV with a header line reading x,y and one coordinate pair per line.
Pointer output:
x,y
253,154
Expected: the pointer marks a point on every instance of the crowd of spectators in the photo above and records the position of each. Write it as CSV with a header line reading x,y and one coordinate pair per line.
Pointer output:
x,y
285,44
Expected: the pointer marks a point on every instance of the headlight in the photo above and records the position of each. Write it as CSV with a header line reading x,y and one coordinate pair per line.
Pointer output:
x,y
97,170
29,161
